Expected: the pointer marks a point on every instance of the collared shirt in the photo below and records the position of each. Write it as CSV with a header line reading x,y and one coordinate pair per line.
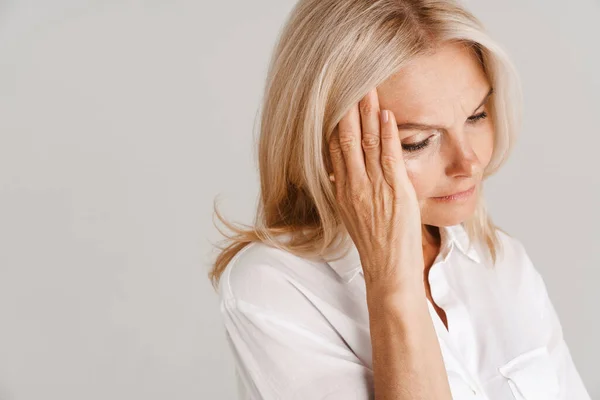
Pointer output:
x,y
299,329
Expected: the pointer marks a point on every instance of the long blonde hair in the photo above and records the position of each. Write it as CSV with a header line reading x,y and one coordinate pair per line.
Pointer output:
x,y
330,53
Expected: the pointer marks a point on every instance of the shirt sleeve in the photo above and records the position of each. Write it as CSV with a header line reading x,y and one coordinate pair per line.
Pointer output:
x,y
276,358
570,383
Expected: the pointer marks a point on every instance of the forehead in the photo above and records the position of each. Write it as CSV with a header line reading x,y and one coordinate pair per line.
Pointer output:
x,y
450,77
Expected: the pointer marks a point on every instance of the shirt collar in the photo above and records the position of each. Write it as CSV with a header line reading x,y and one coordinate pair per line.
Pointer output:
x,y
348,266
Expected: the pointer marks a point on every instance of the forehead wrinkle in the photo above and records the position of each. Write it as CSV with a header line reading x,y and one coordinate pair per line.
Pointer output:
x,y
429,109
427,94
435,122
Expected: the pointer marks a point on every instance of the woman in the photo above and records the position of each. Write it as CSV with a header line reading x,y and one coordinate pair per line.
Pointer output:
x,y
373,269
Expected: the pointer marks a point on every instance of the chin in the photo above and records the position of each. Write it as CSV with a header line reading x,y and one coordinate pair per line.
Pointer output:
x,y
447,214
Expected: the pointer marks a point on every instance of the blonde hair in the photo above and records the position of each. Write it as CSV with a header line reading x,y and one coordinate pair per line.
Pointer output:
x,y
330,53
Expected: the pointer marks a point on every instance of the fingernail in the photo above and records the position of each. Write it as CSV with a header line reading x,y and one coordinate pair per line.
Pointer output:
x,y
384,116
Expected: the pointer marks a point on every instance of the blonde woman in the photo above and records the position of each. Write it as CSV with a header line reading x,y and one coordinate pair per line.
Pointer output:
x,y
373,270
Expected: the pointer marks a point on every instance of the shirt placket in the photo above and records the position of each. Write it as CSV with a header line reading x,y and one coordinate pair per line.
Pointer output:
x,y
459,339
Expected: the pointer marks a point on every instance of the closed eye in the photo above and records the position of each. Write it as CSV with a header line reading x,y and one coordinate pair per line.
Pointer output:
x,y
477,117
421,145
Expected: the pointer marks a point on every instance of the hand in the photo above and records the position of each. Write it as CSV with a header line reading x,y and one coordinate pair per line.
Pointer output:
x,y
376,199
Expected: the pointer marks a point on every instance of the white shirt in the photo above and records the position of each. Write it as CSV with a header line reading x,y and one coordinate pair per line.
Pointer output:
x,y
299,329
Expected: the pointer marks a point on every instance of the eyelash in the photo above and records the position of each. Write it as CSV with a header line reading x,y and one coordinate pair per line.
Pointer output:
x,y
418,146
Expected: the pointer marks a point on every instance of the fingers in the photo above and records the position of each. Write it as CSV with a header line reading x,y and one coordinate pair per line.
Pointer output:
x,y
371,137
392,160
337,160
349,136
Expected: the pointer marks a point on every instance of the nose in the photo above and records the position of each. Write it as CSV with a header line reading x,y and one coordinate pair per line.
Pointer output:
x,y
463,161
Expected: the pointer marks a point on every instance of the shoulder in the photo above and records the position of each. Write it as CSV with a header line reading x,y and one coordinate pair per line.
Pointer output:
x,y
516,269
512,247
512,254
265,283
261,274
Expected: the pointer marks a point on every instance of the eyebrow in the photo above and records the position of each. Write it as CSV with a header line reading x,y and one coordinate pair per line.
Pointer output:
x,y
425,127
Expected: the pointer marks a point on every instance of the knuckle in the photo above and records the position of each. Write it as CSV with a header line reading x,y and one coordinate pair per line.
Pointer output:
x,y
387,134
347,142
334,146
388,162
366,108
370,140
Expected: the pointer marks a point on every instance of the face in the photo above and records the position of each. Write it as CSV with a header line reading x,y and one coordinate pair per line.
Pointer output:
x,y
440,102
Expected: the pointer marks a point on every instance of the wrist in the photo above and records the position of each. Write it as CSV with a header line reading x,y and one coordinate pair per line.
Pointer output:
x,y
405,288
395,282
386,301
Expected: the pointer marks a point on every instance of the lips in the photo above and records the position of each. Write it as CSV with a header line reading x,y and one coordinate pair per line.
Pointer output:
x,y
457,197
457,193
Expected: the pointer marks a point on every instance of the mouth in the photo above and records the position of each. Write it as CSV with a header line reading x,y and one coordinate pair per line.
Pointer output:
x,y
457,196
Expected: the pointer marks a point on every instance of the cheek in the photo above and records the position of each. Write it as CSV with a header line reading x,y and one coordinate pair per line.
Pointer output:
x,y
423,174
484,146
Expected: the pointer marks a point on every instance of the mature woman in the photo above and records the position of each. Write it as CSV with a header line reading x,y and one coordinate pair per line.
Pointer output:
x,y
373,269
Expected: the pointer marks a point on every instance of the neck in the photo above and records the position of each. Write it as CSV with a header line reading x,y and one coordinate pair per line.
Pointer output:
x,y
431,235
431,245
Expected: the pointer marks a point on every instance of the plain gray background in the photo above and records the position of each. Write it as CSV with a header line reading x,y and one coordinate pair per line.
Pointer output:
x,y
121,121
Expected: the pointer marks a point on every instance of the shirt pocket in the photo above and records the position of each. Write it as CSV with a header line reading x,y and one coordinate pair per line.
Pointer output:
x,y
532,376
